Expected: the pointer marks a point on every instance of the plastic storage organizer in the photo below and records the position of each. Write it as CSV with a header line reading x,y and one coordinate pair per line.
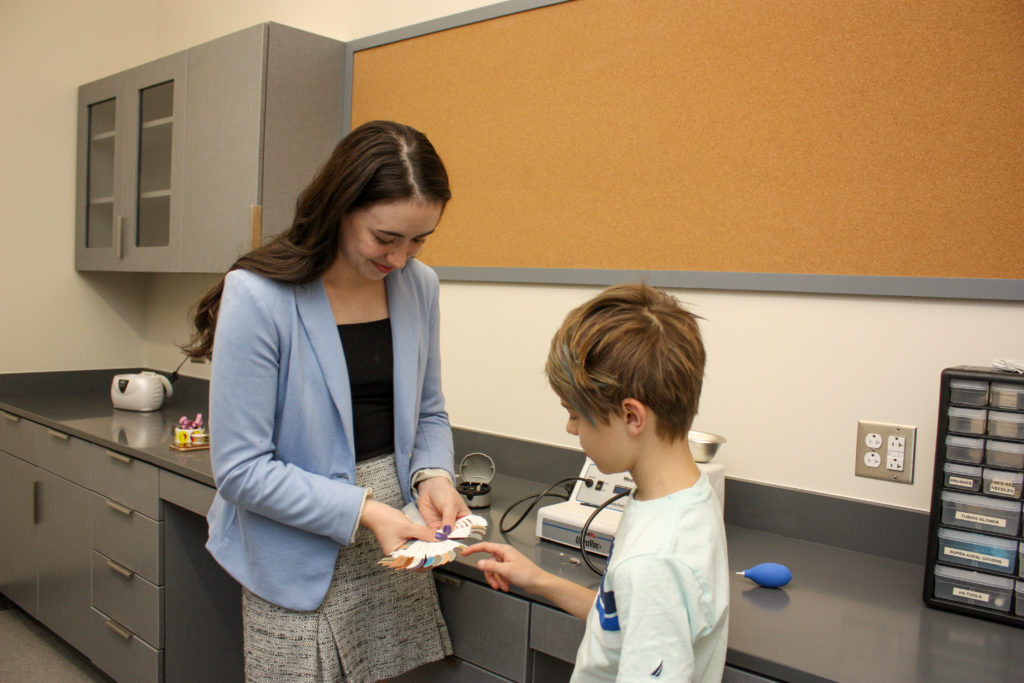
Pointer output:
x,y
975,562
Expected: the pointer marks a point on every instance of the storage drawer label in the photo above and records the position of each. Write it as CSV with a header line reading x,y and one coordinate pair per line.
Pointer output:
x,y
977,557
1004,487
981,519
961,481
970,595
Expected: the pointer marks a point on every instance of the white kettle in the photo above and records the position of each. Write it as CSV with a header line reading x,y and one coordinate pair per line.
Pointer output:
x,y
140,391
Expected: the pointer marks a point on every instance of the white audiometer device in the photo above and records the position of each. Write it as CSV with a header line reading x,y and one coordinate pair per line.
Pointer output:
x,y
563,522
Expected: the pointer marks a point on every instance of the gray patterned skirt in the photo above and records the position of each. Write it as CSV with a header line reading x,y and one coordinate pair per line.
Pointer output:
x,y
374,623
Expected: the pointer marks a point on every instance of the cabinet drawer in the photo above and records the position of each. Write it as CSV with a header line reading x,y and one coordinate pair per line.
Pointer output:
x,y
64,455
451,670
121,654
186,493
488,628
554,632
128,537
18,436
126,480
127,598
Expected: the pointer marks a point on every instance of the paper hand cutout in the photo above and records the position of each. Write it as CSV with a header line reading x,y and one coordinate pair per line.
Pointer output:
x,y
417,554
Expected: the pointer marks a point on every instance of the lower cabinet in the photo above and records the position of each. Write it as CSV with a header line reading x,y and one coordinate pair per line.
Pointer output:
x,y
121,654
44,527
81,537
202,604
488,628
17,533
62,558
500,637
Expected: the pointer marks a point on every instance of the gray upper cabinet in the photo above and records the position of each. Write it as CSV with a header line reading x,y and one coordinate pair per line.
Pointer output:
x,y
187,162
131,135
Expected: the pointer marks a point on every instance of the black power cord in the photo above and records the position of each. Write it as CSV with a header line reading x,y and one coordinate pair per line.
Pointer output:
x,y
564,495
567,485
586,527
174,375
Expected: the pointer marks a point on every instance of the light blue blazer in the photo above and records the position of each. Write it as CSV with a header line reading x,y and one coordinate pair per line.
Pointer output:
x,y
281,427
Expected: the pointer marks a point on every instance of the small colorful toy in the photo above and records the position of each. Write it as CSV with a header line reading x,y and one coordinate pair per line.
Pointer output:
x,y
190,432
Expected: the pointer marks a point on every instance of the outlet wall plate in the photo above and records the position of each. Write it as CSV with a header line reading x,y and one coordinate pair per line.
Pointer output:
x,y
885,451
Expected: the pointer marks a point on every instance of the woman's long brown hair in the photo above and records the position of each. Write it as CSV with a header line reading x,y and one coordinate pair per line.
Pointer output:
x,y
378,161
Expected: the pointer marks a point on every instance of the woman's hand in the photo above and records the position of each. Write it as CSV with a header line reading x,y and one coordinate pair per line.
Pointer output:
x,y
439,503
391,527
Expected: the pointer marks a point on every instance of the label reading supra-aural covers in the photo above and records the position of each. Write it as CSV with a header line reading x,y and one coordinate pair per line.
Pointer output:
x,y
981,519
970,595
976,557
1004,487
962,482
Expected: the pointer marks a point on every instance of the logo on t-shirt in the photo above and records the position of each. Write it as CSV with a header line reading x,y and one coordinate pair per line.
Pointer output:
x,y
606,612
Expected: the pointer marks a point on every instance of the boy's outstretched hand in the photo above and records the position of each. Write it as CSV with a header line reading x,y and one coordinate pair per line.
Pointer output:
x,y
509,566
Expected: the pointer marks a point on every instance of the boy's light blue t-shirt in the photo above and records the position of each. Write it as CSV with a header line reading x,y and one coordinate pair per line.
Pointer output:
x,y
662,611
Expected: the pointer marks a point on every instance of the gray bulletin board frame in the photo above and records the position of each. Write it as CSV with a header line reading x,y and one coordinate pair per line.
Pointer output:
x,y
990,289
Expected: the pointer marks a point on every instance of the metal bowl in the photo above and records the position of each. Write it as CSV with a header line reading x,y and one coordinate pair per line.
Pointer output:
x,y
704,446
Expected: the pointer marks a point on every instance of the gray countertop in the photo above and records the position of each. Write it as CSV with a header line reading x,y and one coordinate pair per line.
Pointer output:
x,y
846,616
86,411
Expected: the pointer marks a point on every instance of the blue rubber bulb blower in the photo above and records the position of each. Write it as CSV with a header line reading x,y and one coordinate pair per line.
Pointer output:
x,y
769,574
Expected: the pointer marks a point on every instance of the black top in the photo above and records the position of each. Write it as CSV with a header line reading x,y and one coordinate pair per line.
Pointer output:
x,y
369,357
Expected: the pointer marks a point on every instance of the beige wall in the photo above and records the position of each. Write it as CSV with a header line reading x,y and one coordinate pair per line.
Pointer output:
x,y
788,375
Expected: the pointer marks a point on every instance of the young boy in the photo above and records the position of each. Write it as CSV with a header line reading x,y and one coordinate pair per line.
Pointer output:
x,y
628,366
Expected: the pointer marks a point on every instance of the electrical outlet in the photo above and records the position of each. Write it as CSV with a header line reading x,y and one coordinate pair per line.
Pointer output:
x,y
885,451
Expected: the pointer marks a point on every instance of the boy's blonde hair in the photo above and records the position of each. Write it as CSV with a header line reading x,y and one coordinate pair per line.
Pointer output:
x,y
630,341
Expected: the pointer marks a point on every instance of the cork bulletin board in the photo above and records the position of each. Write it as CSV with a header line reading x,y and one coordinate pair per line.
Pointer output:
x,y
858,139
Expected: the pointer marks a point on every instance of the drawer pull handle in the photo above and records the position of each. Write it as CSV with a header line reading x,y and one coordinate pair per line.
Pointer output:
x,y
118,456
58,435
12,418
119,238
35,502
123,571
256,225
117,507
119,630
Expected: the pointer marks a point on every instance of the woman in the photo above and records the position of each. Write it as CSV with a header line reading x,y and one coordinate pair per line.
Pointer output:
x,y
327,414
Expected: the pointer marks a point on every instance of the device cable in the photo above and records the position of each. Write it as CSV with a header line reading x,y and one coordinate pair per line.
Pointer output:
x,y
564,495
586,527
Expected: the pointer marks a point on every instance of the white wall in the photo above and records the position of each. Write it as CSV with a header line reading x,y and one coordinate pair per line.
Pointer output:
x,y
788,375
53,318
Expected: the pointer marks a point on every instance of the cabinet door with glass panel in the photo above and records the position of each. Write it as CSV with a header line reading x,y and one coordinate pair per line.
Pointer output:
x,y
130,169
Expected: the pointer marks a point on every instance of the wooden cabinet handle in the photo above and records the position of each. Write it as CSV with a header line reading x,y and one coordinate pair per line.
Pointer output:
x,y
256,223
119,630
122,570
118,456
119,238
35,502
58,435
117,507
